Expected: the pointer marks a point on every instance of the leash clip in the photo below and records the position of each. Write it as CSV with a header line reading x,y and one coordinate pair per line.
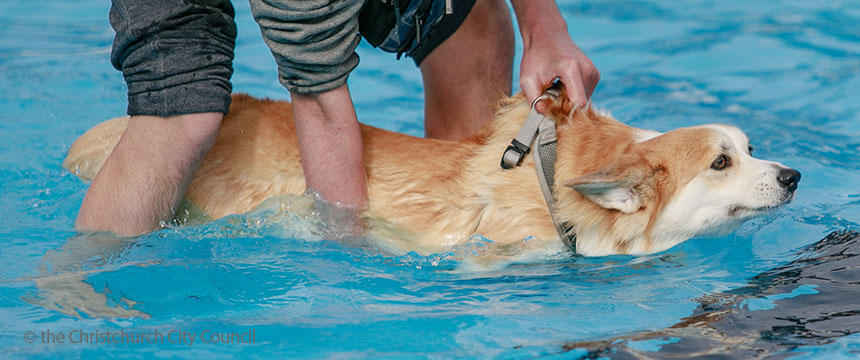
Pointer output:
x,y
545,95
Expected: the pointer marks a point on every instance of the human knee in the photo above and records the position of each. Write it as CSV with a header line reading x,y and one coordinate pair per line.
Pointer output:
x,y
494,19
201,127
488,36
187,135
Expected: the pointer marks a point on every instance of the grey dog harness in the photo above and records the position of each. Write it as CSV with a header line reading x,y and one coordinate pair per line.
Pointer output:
x,y
540,131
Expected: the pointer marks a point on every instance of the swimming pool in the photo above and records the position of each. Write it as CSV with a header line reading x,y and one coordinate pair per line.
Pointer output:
x,y
266,285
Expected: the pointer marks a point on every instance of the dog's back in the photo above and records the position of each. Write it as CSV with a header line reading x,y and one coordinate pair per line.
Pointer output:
x,y
626,190
411,180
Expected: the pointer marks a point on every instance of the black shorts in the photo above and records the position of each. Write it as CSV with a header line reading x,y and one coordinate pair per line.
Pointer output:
x,y
411,27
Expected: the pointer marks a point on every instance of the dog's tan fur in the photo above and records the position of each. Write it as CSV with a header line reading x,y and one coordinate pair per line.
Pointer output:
x,y
443,192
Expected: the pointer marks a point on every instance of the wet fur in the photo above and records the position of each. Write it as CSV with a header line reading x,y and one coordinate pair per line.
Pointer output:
x,y
442,192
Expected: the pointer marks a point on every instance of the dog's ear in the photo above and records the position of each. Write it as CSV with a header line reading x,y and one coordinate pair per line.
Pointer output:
x,y
624,185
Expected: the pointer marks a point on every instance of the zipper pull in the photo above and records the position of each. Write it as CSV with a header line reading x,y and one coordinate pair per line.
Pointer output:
x,y
418,31
449,7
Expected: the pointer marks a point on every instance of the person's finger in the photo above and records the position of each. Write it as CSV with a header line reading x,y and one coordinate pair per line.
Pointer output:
x,y
574,86
594,79
531,88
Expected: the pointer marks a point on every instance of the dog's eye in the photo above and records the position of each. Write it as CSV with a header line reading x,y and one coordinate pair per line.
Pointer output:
x,y
750,149
721,162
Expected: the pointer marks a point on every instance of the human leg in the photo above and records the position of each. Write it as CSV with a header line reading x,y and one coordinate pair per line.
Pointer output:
x,y
145,177
467,73
176,58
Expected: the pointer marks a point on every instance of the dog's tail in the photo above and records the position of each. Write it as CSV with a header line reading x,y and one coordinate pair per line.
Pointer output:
x,y
89,151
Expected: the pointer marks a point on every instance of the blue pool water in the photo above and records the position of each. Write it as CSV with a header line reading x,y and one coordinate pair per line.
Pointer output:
x,y
786,72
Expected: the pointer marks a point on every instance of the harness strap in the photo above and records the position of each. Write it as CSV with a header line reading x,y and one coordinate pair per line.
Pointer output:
x,y
520,145
541,131
544,158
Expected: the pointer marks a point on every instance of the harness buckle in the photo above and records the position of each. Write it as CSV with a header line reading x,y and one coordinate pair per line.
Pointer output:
x,y
514,154
521,145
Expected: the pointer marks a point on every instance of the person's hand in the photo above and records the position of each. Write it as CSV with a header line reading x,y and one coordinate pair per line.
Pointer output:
x,y
549,53
556,56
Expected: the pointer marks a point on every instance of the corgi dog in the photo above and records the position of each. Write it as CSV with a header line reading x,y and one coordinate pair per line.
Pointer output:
x,y
624,190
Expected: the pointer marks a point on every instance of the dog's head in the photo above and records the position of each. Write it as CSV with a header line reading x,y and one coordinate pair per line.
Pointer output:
x,y
661,189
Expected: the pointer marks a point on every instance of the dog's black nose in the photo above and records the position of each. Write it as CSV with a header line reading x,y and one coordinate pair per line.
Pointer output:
x,y
788,178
